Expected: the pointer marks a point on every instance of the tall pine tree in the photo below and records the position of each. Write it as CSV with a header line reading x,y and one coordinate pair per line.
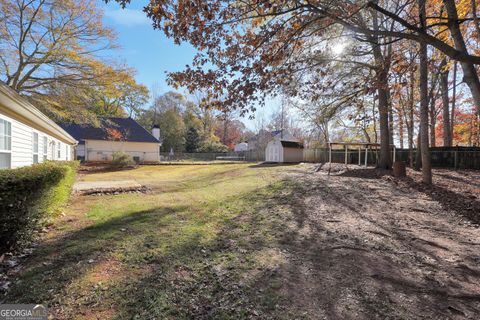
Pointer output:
x,y
192,140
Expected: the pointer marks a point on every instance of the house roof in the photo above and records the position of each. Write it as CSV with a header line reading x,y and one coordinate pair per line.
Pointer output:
x,y
274,133
111,129
265,133
291,144
19,108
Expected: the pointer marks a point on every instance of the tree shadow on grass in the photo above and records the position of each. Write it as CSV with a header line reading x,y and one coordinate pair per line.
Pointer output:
x,y
262,264
265,254
165,255
56,264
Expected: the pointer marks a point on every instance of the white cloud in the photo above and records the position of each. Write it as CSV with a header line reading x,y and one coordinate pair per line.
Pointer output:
x,y
128,17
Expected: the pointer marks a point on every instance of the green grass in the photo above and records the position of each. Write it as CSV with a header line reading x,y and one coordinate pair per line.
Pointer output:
x,y
199,245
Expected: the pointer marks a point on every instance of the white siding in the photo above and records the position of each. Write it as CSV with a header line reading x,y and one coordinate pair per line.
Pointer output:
x,y
22,144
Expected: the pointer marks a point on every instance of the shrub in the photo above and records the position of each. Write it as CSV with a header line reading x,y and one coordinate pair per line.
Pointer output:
x,y
121,160
213,146
30,197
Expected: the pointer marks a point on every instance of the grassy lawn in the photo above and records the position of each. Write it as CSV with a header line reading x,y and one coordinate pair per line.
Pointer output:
x,y
196,246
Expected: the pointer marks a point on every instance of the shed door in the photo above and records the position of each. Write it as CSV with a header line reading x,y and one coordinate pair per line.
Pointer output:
x,y
276,153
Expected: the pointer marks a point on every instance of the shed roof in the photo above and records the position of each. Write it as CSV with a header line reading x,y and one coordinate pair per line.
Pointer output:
x,y
111,129
291,144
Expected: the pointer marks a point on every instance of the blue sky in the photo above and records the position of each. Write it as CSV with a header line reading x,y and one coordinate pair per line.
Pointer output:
x,y
150,52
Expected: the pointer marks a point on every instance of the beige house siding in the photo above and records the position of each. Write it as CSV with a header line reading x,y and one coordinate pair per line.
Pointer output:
x,y
292,155
101,150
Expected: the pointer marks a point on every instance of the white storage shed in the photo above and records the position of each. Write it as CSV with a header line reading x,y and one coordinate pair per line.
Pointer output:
x,y
282,151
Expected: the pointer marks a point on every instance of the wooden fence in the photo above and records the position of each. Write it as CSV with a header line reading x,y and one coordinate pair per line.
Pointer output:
x,y
451,157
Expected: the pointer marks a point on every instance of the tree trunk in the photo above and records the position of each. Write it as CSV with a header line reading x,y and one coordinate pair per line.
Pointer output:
x,y
391,123
432,99
381,72
447,131
410,139
454,101
418,154
433,122
470,76
470,132
375,134
384,161
425,152
411,120
400,128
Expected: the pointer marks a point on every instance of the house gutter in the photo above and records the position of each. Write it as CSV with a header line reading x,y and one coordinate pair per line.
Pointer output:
x,y
17,107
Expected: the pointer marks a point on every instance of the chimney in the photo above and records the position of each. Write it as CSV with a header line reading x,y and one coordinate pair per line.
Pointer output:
x,y
156,132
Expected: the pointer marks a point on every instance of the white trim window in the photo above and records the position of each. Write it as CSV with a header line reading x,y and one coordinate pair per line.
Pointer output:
x,y
5,144
35,146
59,150
66,152
45,148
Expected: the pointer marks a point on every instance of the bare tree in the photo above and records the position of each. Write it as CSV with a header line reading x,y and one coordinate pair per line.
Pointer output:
x,y
423,65
447,131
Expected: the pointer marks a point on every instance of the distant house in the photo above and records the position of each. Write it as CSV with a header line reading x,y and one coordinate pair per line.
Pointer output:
x,y
241,147
260,140
98,144
27,136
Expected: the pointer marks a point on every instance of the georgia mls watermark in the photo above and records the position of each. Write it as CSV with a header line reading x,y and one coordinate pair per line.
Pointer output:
x,y
23,312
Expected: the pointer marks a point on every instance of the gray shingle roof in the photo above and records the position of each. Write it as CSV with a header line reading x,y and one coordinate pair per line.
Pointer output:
x,y
111,129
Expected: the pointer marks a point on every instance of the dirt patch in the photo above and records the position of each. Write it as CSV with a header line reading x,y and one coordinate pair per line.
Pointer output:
x,y
107,270
108,187
363,245
457,191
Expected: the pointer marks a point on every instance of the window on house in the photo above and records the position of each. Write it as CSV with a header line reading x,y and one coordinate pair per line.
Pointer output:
x,y
45,148
35,147
66,152
5,144
59,151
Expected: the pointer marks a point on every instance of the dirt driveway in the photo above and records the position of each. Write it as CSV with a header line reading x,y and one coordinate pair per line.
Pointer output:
x,y
363,246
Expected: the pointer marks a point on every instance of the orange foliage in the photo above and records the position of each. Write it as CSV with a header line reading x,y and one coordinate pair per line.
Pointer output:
x,y
466,131
114,134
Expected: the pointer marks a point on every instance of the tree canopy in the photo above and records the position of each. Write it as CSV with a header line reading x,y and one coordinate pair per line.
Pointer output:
x,y
52,52
251,50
